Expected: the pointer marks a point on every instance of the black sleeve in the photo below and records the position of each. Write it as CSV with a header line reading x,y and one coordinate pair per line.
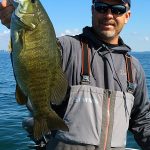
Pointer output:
x,y
140,116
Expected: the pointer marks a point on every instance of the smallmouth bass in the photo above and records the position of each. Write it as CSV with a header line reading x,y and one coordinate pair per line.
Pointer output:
x,y
36,62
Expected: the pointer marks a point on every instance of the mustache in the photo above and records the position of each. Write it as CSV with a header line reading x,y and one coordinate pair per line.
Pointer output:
x,y
107,22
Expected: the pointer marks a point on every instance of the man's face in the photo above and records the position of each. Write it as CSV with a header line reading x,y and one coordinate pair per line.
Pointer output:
x,y
108,25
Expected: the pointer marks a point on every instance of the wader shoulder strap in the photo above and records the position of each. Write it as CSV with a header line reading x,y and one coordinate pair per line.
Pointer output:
x,y
85,71
130,82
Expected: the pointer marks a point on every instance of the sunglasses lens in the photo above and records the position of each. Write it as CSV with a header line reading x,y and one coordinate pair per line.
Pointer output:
x,y
115,9
101,7
118,9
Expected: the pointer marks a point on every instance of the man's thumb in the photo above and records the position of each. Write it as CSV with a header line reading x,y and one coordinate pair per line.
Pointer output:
x,y
4,3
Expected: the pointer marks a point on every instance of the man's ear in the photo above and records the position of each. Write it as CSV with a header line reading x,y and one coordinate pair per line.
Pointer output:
x,y
127,16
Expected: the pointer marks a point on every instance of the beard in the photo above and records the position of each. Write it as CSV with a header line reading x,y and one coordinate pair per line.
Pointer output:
x,y
106,34
102,29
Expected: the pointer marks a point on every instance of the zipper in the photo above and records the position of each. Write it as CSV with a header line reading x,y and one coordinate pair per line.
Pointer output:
x,y
107,121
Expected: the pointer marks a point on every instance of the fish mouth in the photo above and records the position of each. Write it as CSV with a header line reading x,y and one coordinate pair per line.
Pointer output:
x,y
32,1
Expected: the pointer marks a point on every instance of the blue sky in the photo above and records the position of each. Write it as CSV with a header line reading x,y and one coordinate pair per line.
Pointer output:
x,y
69,17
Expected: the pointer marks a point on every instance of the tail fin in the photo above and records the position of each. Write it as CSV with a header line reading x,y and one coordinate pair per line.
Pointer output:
x,y
40,128
44,124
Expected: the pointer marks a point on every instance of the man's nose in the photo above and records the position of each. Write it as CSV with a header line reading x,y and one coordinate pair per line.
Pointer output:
x,y
108,13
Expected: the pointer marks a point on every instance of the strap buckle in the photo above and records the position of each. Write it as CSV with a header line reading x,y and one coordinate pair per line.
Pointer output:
x,y
130,87
85,79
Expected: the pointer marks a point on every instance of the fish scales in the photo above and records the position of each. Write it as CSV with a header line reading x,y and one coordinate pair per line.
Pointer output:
x,y
36,62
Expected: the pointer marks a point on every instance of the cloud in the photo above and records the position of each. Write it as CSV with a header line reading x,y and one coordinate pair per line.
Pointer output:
x,y
146,38
4,33
140,36
134,33
70,32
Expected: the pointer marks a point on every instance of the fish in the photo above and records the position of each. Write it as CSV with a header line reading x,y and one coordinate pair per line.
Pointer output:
x,y
37,65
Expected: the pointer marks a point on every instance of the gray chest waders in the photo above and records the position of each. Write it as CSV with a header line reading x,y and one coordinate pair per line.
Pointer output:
x,y
97,116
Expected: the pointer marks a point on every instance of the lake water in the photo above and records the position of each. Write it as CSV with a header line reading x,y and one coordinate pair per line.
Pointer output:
x,y
12,135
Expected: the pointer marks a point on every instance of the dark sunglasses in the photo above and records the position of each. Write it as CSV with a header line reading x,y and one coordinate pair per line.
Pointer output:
x,y
118,9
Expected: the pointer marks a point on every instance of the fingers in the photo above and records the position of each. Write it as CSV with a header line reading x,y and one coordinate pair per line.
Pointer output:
x,y
5,15
6,3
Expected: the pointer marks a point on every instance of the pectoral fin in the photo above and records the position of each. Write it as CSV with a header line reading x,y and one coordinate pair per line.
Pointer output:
x,y
60,89
20,97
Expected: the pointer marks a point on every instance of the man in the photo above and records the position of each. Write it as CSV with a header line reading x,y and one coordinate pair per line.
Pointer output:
x,y
107,91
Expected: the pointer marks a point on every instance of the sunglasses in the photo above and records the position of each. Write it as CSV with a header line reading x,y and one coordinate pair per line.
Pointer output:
x,y
118,9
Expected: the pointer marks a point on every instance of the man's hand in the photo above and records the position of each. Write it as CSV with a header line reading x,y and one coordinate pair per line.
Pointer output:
x,y
6,9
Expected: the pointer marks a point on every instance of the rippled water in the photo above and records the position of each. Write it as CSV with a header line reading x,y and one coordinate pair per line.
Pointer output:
x,y
12,136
